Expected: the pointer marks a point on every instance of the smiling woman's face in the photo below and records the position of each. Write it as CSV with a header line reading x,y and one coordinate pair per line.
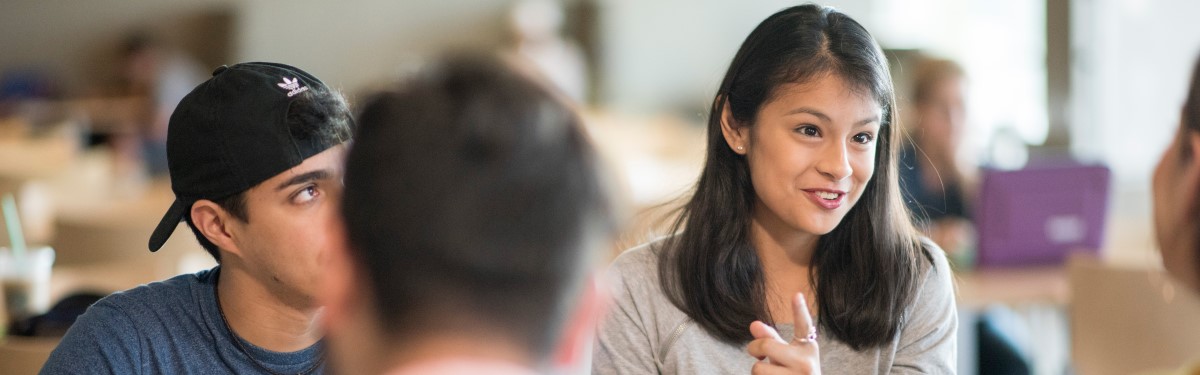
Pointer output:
x,y
811,153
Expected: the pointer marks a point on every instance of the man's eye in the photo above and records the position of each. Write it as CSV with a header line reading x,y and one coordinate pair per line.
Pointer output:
x,y
308,194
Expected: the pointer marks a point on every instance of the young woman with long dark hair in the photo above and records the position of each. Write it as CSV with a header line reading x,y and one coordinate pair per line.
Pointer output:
x,y
796,224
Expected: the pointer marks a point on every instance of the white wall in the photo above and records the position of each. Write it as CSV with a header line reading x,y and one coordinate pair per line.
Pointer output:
x,y
349,44
665,54
671,54
1129,80
354,43
73,38
1134,60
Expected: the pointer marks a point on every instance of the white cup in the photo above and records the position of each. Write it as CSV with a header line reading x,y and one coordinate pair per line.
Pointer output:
x,y
26,281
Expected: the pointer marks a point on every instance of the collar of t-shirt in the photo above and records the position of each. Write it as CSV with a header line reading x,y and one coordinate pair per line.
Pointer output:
x,y
463,366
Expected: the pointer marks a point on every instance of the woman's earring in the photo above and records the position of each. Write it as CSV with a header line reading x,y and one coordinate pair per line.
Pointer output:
x,y
740,148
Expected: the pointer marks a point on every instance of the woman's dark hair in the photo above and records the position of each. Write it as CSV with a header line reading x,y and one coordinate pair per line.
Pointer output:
x,y
865,270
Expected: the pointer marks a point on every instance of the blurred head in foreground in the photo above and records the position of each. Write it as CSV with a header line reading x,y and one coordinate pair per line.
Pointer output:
x,y
1177,194
473,211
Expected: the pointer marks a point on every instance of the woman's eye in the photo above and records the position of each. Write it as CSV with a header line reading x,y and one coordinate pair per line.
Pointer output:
x,y
808,130
864,138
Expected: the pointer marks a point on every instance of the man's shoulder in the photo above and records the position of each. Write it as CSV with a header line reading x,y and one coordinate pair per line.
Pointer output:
x,y
176,293
116,332
462,365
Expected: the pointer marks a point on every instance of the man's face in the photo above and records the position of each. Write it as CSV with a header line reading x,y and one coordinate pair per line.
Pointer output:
x,y
1175,204
290,227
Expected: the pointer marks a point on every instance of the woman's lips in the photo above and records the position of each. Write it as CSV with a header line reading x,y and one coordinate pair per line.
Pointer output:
x,y
828,199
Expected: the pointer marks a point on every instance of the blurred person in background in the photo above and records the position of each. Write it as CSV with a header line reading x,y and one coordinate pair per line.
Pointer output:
x,y
1176,189
537,27
796,253
938,190
469,246
256,160
161,76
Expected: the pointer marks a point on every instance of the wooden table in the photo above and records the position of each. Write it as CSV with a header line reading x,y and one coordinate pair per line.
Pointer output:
x,y
1013,286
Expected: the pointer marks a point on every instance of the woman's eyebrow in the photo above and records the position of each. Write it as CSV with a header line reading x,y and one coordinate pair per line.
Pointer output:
x,y
825,118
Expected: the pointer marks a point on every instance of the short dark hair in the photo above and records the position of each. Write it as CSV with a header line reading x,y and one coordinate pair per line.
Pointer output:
x,y
472,201
1190,123
865,270
1190,117
318,113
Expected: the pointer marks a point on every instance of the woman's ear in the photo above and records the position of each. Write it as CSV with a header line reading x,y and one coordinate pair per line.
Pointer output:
x,y
736,135
213,222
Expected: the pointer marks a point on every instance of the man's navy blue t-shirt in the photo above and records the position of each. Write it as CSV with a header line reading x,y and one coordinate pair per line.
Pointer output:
x,y
166,327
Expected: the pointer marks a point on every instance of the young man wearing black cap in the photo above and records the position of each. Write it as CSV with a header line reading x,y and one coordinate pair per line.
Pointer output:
x,y
255,156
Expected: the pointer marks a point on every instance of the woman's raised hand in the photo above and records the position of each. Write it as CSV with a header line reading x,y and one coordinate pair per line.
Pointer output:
x,y
801,356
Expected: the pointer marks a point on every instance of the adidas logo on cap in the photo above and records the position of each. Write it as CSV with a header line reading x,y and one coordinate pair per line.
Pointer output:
x,y
293,86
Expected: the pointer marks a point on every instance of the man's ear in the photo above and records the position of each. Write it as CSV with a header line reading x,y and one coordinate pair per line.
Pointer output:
x,y
579,330
213,222
736,135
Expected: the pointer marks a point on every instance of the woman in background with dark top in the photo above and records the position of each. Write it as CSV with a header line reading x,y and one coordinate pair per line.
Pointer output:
x,y
936,188
938,192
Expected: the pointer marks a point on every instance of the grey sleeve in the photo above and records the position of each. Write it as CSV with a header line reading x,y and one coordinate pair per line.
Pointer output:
x,y
623,341
103,340
928,341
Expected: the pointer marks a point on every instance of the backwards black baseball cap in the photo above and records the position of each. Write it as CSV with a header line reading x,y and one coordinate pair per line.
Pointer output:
x,y
231,133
